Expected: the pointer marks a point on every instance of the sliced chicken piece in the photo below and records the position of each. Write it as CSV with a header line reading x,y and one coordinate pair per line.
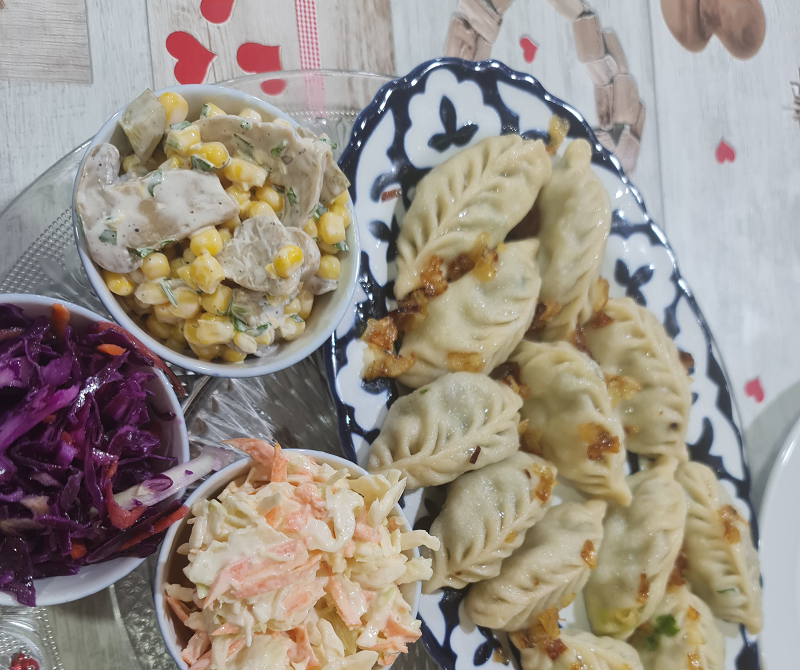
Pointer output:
x,y
253,247
120,216
303,166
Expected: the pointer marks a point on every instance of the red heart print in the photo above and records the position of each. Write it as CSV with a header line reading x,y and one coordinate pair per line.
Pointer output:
x,y
254,57
752,389
193,58
725,152
273,86
216,11
528,49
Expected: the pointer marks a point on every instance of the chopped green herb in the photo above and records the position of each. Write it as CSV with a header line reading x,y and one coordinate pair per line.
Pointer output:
x,y
262,329
245,124
666,625
142,252
173,144
342,246
204,110
201,164
333,145
423,391
244,147
181,125
319,210
109,236
650,643
295,318
166,243
229,307
277,150
153,180
730,590
168,292
291,196
238,309
280,189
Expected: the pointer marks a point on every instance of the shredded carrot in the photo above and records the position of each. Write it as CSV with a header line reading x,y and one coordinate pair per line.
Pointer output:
x,y
78,550
60,319
111,349
156,528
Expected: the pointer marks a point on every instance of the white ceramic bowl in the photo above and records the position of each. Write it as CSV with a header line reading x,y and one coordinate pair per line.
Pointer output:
x,y
94,578
169,569
329,309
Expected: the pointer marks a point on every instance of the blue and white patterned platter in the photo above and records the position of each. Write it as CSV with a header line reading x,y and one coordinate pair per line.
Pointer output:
x,y
417,122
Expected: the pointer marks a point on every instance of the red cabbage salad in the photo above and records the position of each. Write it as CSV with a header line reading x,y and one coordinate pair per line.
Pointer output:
x,y
83,477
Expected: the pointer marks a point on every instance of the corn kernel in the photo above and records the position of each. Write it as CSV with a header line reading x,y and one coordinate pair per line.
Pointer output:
x,y
176,107
329,267
266,338
190,331
310,228
155,266
164,314
117,283
189,256
271,197
180,141
174,344
214,329
206,352
269,268
137,276
240,196
252,114
245,342
288,260
218,302
291,329
292,308
177,334
343,212
188,306
341,199
185,273
207,273
209,109
225,234
150,293
211,152
174,265
133,164
306,299
231,224
245,173
260,208
206,241
161,330
331,228
232,356
172,163
282,122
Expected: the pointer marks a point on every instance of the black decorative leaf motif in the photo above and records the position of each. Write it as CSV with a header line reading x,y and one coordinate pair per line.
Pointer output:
x,y
451,135
633,282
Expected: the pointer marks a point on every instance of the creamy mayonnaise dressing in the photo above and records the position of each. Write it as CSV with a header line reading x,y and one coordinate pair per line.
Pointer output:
x,y
293,160
123,215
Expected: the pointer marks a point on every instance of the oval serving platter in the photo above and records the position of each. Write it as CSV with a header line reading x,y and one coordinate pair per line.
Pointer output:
x,y
421,120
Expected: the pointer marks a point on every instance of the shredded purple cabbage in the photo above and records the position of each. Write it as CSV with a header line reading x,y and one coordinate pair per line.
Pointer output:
x,y
76,426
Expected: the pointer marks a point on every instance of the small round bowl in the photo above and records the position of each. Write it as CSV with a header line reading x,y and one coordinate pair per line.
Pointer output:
x,y
329,309
93,578
169,569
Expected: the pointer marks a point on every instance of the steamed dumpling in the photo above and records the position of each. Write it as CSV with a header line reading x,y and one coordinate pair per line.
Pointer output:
x,y
640,545
475,324
574,222
485,517
460,422
549,568
487,188
570,420
680,634
634,346
721,561
573,650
